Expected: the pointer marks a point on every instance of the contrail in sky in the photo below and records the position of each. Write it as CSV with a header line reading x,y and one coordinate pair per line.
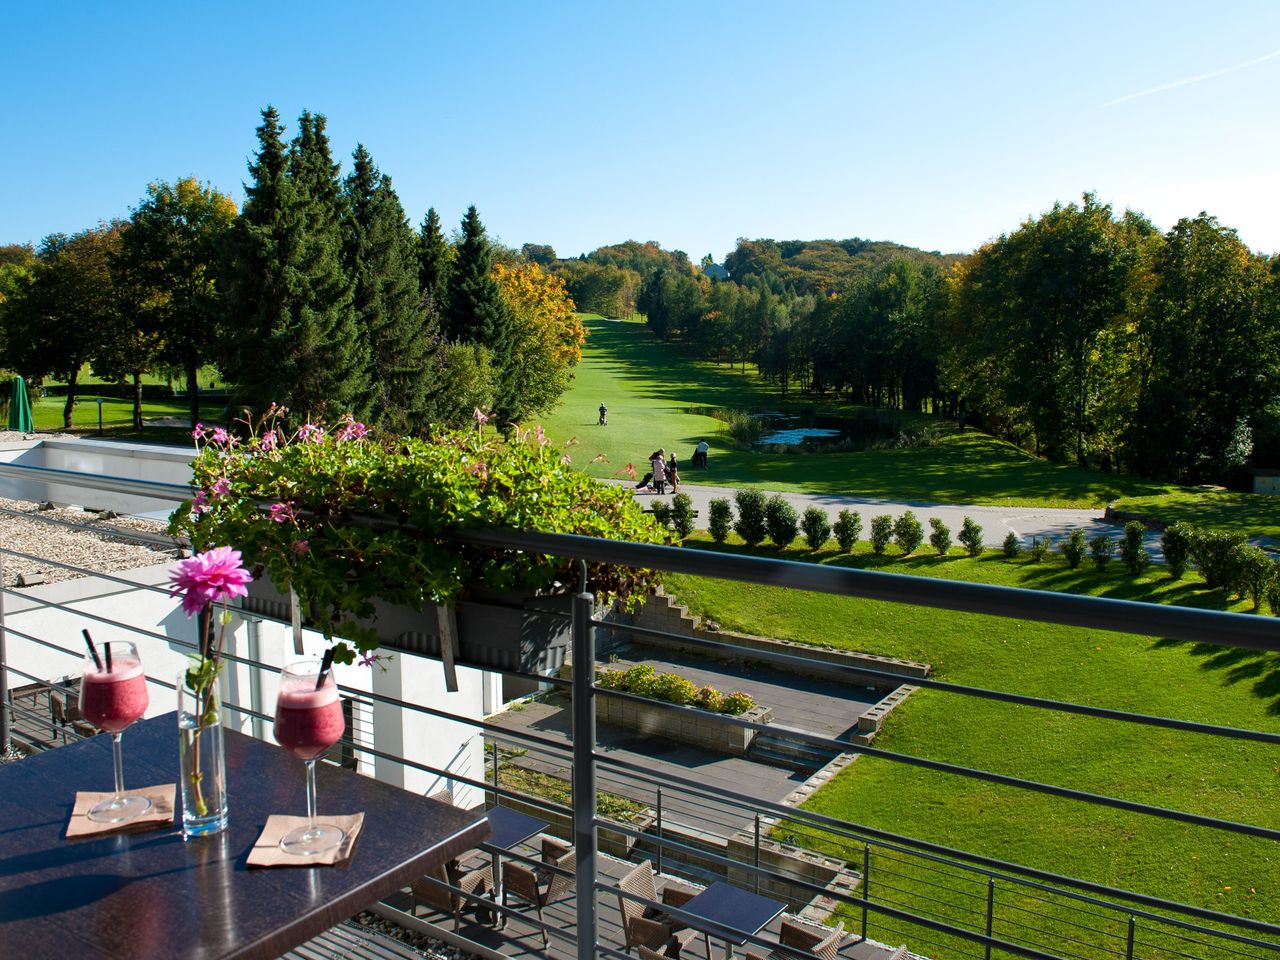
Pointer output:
x,y
1196,79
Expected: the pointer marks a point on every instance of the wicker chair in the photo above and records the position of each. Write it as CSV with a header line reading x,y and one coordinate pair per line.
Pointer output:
x,y
526,883
430,889
444,796
823,942
639,930
677,896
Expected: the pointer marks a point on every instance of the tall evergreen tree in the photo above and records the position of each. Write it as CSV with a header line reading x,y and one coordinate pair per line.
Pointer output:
x,y
379,249
290,298
477,313
434,260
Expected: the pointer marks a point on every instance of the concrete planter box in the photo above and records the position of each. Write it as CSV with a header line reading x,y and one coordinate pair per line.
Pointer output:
x,y
613,842
526,634
699,728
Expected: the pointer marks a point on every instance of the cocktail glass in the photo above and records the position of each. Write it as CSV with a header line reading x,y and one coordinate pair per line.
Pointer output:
x,y
308,722
113,694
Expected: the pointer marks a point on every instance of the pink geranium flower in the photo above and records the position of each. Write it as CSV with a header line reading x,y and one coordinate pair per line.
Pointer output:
x,y
352,429
221,437
200,502
282,512
198,432
210,577
221,487
268,440
310,433
301,546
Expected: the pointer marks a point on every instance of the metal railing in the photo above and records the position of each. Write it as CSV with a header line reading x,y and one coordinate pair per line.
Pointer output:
x,y
935,897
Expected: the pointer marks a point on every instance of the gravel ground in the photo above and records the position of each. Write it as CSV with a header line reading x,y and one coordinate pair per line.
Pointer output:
x,y
425,945
95,549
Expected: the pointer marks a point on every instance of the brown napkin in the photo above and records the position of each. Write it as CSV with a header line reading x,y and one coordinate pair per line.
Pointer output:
x,y
266,851
160,815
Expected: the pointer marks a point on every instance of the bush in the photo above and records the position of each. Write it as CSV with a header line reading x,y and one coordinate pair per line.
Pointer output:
x,y
709,698
1011,546
1073,548
847,529
662,514
1103,549
1176,544
1210,551
673,688
940,538
816,527
908,532
781,521
738,702
1273,590
971,537
881,533
640,679
610,679
1132,551
1038,549
750,525
719,519
682,514
1252,572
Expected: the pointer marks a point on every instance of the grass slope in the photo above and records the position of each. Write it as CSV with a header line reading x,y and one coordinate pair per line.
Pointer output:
x,y
1251,513
654,390
1217,777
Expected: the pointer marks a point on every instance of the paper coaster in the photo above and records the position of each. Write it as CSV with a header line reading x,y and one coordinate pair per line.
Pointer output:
x,y
163,802
266,850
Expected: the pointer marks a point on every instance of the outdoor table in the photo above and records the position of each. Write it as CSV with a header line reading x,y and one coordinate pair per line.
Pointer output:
x,y
507,830
151,895
731,911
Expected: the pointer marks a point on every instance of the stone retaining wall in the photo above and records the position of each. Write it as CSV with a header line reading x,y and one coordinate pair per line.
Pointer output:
x,y
699,728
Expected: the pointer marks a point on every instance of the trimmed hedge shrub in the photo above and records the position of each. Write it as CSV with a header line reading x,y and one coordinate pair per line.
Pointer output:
x,y
1211,552
940,538
1039,549
1132,551
847,529
971,537
816,527
881,533
1103,548
1011,546
750,523
781,521
1176,544
682,514
719,519
1073,548
908,533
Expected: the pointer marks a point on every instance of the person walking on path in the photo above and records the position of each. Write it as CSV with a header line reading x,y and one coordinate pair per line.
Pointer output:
x,y
604,416
659,466
673,473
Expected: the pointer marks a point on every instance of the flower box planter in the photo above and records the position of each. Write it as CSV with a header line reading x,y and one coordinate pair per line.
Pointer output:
x,y
699,728
517,634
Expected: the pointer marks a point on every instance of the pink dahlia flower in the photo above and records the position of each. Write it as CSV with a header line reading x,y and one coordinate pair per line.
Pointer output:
x,y
209,577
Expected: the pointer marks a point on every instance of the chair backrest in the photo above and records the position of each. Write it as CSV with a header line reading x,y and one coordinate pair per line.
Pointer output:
x,y
553,849
649,954
437,896
638,881
444,796
562,880
520,880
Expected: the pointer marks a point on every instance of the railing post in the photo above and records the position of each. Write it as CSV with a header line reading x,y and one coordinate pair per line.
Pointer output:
x,y
866,885
584,768
497,797
660,843
6,736
1128,946
757,873
991,909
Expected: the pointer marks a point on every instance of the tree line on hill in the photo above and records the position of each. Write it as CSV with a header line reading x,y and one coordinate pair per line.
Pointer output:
x,y
318,295
1085,336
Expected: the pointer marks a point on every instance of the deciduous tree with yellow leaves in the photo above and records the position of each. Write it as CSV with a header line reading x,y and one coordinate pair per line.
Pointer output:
x,y
547,338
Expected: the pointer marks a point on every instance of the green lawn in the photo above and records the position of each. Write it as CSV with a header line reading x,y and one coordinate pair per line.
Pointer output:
x,y
117,417
1251,513
654,390
1208,775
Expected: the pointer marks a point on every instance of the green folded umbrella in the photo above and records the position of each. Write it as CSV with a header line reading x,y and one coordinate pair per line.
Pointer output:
x,y
20,408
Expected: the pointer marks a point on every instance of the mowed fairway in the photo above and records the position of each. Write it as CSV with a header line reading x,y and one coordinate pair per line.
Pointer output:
x,y
654,391
1213,776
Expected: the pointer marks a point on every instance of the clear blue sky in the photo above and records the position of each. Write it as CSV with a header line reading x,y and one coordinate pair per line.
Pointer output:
x,y
939,125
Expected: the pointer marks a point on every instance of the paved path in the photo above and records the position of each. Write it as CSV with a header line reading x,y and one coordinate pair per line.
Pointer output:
x,y
996,521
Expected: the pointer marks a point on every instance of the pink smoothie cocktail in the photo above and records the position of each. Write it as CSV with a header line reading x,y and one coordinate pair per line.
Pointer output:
x,y
111,700
308,721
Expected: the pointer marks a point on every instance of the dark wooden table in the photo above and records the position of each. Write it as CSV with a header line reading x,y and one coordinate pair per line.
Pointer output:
x,y
731,910
151,895
507,830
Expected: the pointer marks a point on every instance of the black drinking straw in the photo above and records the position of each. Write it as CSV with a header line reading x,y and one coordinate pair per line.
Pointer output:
x,y
106,648
325,664
93,651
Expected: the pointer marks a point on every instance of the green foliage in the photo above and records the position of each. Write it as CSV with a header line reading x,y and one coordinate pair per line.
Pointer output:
x,y
423,489
908,532
1132,551
940,537
661,513
682,514
1176,544
750,525
1011,546
1102,548
971,537
881,533
1073,548
644,681
781,521
847,529
1252,573
719,519
1210,551
1039,549
743,429
816,527
435,258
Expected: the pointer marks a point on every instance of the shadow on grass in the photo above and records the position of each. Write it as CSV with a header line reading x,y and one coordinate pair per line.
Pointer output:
x,y
1260,669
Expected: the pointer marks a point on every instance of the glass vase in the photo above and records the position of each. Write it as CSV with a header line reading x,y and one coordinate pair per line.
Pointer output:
x,y
202,761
